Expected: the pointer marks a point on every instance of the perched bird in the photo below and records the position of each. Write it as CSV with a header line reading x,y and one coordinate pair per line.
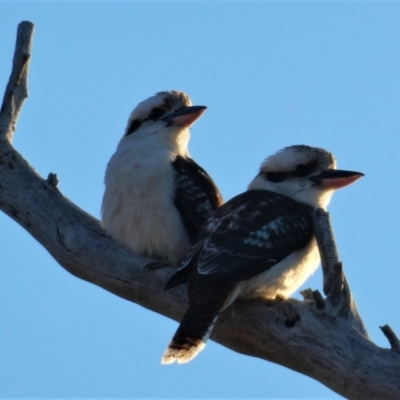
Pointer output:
x,y
258,244
156,197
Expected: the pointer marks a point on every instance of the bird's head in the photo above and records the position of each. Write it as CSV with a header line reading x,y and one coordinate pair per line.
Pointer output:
x,y
164,120
306,174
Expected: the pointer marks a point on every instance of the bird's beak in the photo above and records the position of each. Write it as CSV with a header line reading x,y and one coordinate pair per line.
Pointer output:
x,y
333,179
185,116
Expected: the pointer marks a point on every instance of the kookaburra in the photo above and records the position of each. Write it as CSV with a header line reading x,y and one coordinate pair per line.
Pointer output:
x,y
156,197
258,244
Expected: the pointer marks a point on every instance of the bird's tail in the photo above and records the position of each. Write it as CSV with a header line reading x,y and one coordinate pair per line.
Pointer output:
x,y
193,332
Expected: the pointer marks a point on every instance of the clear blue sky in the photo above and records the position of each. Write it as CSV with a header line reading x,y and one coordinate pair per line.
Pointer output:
x,y
272,74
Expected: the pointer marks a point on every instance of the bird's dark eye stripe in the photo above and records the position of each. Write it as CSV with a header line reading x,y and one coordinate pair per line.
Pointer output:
x,y
300,171
135,125
303,170
278,176
156,113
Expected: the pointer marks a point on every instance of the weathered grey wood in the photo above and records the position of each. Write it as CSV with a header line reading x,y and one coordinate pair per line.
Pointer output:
x,y
339,299
329,255
318,337
17,89
392,337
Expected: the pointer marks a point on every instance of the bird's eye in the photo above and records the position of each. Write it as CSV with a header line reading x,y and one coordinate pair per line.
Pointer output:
x,y
135,124
156,113
302,170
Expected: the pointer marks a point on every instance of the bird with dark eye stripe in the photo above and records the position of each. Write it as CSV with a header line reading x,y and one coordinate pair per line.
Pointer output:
x,y
156,197
259,244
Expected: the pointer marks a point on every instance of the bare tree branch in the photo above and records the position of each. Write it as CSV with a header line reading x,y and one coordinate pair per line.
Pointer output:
x,y
322,338
391,336
17,88
339,296
319,300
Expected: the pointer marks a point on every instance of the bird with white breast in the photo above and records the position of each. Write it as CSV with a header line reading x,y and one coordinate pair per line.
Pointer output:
x,y
156,197
261,243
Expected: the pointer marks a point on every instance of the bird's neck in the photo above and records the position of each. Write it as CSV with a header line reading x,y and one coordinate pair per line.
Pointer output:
x,y
173,143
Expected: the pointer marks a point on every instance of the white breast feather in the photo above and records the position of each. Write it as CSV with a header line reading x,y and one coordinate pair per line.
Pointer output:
x,y
283,279
138,209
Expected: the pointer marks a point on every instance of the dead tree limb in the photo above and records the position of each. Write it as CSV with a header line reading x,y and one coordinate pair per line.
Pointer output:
x,y
323,338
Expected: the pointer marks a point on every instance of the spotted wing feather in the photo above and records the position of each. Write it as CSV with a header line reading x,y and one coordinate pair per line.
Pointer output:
x,y
248,235
196,194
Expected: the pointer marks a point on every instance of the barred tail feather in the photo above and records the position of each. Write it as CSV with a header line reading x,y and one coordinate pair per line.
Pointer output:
x,y
192,334
182,354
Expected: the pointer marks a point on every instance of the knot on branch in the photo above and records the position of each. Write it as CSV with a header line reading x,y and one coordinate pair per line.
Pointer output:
x,y
52,179
292,320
